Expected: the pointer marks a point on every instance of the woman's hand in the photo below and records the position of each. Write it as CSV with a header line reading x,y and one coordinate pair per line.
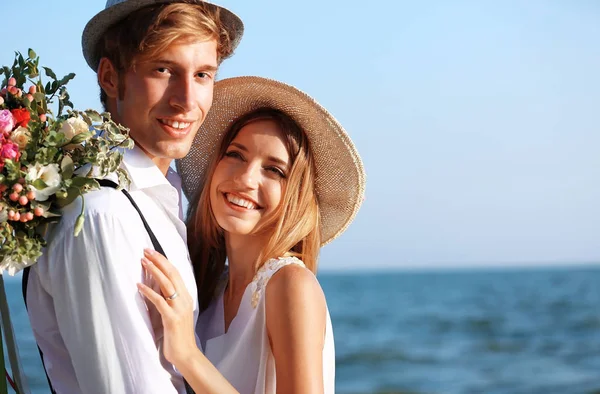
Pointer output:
x,y
175,306
177,309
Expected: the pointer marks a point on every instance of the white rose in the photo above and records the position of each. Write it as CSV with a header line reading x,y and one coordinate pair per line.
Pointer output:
x,y
73,126
21,137
50,174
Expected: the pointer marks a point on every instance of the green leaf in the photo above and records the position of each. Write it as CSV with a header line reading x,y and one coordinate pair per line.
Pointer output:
x,y
49,73
94,116
81,137
81,181
66,78
39,184
32,54
71,194
39,96
67,167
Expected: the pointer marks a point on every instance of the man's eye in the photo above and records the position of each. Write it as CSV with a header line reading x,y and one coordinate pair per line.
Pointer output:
x,y
162,70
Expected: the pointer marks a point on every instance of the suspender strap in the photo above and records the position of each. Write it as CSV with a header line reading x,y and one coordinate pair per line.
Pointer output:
x,y
155,243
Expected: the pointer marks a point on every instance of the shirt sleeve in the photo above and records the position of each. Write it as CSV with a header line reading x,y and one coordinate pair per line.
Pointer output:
x,y
102,318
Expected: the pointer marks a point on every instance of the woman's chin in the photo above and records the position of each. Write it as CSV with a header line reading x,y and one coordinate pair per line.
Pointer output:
x,y
237,227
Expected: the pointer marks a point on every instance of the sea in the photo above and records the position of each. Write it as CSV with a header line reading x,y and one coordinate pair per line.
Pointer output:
x,y
496,331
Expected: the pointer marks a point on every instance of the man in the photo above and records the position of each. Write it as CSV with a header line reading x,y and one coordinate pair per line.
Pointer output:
x,y
156,62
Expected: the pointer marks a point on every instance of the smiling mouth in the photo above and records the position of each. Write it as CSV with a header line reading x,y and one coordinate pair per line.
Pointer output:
x,y
240,202
178,125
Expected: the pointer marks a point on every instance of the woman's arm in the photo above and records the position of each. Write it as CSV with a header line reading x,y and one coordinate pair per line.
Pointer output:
x,y
178,323
296,320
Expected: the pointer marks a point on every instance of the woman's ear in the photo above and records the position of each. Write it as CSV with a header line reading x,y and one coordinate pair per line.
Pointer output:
x,y
108,78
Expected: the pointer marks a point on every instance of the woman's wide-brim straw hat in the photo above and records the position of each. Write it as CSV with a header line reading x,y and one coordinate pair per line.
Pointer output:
x,y
117,10
340,175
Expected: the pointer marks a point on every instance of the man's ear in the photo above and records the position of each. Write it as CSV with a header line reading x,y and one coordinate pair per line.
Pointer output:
x,y
108,78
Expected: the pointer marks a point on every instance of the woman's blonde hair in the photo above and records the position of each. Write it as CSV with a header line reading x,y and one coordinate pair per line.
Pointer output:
x,y
293,229
149,31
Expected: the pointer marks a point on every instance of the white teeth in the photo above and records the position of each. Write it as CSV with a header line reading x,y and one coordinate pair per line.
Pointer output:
x,y
240,202
175,124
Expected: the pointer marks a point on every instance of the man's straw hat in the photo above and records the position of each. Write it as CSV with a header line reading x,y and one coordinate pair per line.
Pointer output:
x,y
116,10
340,176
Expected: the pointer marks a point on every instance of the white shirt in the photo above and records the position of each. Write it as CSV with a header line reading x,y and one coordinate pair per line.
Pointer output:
x,y
243,354
96,331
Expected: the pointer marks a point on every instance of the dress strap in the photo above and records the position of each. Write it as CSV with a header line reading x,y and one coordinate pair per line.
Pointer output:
x,y
259,283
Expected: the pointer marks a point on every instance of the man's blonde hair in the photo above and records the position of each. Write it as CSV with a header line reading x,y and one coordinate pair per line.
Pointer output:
x,y
149,31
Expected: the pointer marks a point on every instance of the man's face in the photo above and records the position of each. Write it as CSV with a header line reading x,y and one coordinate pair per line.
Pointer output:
x,y
166,99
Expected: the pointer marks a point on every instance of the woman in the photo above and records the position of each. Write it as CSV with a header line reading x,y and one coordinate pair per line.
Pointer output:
x,y
281,178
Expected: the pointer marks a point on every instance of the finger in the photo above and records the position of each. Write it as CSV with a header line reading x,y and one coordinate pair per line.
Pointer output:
x,y
166,267
166,286
159,302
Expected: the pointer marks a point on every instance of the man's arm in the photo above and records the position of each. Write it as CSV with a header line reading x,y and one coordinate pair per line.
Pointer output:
x,y
102,318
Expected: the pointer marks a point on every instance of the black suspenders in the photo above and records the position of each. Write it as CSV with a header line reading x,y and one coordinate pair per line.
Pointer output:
x,y
155,244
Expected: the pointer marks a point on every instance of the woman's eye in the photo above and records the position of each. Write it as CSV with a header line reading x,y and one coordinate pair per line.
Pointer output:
x,y
233,154
162,70
276,171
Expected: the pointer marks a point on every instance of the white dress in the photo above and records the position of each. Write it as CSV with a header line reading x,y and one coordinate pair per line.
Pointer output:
x,y
243,354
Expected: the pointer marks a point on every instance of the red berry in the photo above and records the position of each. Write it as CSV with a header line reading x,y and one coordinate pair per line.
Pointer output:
x,y
18,187
30,195
29,216
17,216
38,211
13,196
32,89
23,200
12,81
42,118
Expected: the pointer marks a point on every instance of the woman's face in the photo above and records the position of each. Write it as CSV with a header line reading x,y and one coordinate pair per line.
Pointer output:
x,y
247,184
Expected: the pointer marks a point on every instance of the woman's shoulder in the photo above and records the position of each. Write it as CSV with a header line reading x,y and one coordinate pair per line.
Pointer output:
x,y
294,284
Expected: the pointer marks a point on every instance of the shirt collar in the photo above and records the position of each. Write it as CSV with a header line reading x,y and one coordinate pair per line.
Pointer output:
x,y
143,172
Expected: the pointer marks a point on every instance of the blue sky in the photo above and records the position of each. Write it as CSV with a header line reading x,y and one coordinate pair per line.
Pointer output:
x,y
477,121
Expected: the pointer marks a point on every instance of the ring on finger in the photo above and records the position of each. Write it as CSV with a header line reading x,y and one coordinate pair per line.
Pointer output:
x,y
172,296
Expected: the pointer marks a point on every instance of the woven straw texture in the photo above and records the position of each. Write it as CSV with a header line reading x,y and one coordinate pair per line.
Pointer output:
x,y
340,175
116,10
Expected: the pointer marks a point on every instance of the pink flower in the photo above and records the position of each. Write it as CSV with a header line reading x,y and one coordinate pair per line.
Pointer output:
x,y
7,121
10,151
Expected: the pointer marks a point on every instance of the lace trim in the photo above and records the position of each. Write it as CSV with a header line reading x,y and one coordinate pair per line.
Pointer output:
x,y
265,272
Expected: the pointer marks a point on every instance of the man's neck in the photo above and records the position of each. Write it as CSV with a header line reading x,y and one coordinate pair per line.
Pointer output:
x,y
162,164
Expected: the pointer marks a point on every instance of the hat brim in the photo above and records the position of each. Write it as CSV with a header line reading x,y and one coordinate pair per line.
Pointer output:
x,y
340,176
98,25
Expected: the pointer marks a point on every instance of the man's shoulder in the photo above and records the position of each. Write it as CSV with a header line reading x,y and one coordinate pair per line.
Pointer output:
x,y
104,204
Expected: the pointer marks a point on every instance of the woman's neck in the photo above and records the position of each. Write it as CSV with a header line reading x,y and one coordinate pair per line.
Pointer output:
x,y
243,252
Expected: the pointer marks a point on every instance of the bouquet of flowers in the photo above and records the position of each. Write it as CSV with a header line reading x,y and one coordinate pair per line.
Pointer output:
x,y
47,160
